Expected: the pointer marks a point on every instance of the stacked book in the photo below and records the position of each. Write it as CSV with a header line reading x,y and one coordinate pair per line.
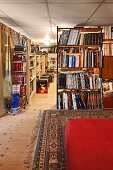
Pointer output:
x,y
74,101
79,80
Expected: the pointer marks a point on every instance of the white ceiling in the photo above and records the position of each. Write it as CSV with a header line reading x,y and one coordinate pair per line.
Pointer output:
x,y
40,18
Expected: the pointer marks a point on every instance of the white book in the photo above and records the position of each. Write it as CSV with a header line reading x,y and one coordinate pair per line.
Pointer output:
x,y
90,82
92,64
70,61
65,101
109,32
70,37
74,101
59,101
77,61
73,37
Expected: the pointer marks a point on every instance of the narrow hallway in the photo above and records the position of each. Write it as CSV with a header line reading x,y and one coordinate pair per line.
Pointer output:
x,y
16,131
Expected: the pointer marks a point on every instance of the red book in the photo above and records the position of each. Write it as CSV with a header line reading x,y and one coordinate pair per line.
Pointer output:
x,y
22,89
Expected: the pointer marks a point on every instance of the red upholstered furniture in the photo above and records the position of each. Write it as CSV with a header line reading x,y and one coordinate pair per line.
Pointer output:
x,y
108,102
89,144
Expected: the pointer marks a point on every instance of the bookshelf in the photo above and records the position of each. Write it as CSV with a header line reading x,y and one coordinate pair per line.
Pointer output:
x,y
42,64
32,70
80,61
52,61
107,70
19,73
36,68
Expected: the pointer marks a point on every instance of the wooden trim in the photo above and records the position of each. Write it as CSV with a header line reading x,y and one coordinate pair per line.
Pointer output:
x,y
107,39
83,46
108,55
82,29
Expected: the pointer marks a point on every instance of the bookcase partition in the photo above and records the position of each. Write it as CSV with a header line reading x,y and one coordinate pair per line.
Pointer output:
x,y
19,72
80,60
107,70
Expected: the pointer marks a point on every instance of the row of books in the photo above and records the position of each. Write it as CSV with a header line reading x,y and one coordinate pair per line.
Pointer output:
x,y
79,81
92,58
91,39
74,101
19,67
19,58
75,37
108,49
108,32
20,89
19,80
19,48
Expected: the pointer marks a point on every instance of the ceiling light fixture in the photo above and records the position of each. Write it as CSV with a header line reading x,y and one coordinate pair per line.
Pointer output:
x,y
47,40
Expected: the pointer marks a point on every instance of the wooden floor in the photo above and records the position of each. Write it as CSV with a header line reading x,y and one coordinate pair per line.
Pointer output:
x,y
16,131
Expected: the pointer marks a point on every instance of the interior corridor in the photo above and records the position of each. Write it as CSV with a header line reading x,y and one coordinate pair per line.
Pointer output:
x,y
16,132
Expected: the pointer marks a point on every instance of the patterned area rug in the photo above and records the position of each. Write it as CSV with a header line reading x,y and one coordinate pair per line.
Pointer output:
x,y
49,150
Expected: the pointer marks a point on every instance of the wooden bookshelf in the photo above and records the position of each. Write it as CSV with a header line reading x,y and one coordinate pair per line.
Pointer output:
x,y
19,73
52,61
77,66
107,70
36,68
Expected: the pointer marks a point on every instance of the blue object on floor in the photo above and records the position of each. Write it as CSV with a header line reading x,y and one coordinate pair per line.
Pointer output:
x,y
15,100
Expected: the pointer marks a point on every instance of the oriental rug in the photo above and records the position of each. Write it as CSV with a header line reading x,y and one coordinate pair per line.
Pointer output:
x,y
50,148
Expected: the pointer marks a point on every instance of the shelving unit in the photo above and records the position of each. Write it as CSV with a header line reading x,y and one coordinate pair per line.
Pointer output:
x,y
42,64
52,61
19,73
32,69
79,68
107,70
36,68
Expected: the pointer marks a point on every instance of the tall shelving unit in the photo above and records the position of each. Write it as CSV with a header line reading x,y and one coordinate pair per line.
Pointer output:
x,y
35,69
19,73
32,70
42,64
52,61
107,70
79,56
38,69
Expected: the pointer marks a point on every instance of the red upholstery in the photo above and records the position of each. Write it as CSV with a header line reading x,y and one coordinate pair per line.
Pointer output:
x,y
108,102
89,144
